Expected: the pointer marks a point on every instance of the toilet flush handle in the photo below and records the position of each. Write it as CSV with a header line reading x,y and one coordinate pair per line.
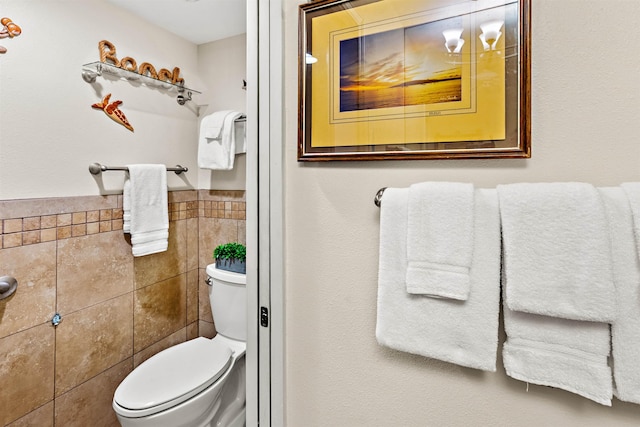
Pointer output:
x,y
208,281
8,286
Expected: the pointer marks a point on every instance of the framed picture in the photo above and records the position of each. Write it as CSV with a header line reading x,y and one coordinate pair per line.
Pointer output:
x,y
414,79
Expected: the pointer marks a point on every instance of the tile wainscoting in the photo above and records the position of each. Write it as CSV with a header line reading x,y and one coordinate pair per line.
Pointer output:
x,y
71,257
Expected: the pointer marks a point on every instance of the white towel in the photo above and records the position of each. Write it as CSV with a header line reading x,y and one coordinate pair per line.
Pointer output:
x,y
625,330
126,205
241,136
440,239
460,332
145,204
632,191
557,252
566,354
217,140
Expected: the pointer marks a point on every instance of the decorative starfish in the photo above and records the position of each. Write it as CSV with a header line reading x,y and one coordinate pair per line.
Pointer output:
x,y
111,110
8,29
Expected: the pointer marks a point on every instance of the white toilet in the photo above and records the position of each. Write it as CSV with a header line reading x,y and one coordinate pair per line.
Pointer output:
x,y
201,382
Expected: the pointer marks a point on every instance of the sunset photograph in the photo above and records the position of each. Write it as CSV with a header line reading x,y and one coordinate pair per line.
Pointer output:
x,y
400,67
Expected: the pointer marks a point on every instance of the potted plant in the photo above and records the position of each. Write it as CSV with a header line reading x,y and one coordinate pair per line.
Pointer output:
x,y
231,257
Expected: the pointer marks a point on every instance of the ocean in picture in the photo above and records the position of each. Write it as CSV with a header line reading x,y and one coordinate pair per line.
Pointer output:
x,y
400,67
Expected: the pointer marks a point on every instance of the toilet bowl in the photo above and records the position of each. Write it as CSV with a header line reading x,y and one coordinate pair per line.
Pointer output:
x,y
198,383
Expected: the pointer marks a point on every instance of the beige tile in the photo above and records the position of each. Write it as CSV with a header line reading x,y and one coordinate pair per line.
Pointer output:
x,y
92,340
48,221
242,232
214,232
193,277
106,215
105,226
78,230
173,339
192,244
192,330
30,237
33,303
93,216
52,206
79,218
204,306
222,195
48,235
31,224
12,225
93,228
12,240
41,417
92,269
63,232
159,311
63,220
182,196
155,268
89,404
206,329
26,372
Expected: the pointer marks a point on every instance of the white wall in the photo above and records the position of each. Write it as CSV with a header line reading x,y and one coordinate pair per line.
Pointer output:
x,y
49,134
586,106
223,65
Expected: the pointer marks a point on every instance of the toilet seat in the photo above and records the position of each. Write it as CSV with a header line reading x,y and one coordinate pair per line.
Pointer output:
x,y
172,376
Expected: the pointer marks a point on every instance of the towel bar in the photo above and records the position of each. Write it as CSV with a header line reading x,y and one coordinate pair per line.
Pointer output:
x,y
378,199
97,169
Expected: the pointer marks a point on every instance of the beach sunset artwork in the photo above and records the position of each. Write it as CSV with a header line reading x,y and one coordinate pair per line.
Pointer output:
x,y
401,67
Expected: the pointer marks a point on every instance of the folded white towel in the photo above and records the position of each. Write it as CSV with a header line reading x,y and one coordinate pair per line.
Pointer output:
x,y
217,140
557,252
460,332
440,239
625,330
126,205
566,354
148,211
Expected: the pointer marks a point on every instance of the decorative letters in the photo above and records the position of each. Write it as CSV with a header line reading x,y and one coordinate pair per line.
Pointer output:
x,y
108,55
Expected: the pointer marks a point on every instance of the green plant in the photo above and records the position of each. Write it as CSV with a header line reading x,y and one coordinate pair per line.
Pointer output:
x,y
234,250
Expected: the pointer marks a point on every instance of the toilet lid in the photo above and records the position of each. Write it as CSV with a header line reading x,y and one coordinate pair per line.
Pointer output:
x,y
178,372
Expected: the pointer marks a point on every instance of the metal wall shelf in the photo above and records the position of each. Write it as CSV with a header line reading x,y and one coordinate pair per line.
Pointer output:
x,y
92,70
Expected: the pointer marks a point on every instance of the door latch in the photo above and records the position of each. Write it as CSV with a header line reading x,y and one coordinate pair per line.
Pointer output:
x,y
264,317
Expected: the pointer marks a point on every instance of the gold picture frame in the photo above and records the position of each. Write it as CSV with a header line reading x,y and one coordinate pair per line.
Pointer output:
x,y
414,79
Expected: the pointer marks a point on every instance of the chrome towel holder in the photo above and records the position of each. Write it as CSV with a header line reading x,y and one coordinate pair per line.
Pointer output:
x,y
378,199
97,169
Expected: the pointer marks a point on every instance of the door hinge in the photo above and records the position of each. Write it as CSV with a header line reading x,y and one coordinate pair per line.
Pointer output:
x,y
264,317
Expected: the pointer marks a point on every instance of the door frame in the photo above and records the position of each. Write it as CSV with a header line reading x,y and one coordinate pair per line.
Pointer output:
x,y
265,212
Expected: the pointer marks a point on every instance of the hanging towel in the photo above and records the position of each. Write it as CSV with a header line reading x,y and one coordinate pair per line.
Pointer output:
x,y
126,205
632,191
241,136
460,332
567,354
625,330
217,140
440,239
557,252
146,207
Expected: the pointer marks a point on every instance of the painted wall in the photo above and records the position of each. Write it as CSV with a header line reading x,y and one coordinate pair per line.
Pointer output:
x,y
222,66
50,134
586,105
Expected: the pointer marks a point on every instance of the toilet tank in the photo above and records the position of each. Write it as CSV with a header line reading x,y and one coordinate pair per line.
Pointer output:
x,y
228,297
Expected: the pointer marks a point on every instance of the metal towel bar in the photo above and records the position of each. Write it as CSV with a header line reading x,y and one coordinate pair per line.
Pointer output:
x,y
97,169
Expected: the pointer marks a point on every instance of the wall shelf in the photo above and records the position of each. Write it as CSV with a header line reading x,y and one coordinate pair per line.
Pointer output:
x,y
92,70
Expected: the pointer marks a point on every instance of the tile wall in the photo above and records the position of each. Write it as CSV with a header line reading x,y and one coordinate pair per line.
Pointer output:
x,y
71,257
